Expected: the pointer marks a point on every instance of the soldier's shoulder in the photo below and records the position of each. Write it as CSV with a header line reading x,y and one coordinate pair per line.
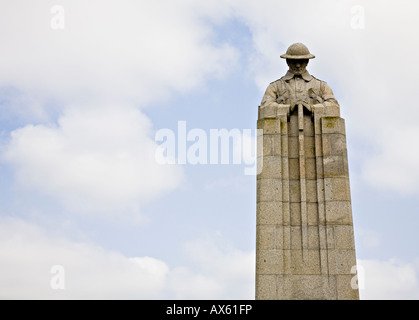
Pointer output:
x,y
317,79
278,81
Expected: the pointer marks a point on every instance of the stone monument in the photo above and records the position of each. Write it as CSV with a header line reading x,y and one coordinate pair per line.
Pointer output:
x,y
305,241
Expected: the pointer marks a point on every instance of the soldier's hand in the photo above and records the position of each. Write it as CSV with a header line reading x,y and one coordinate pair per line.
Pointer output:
x,y
307,106
303,102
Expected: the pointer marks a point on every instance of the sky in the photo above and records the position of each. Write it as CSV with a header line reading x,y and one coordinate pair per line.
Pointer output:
x,y
88,209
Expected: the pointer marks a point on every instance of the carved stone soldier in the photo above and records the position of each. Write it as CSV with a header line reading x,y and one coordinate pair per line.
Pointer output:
x,y
305,245
298,86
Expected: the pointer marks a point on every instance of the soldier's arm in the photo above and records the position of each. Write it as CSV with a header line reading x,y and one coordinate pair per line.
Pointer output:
x,y
329,105
270,96
269,107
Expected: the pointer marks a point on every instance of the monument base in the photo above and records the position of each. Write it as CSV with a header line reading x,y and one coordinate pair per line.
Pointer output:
x,y
305,245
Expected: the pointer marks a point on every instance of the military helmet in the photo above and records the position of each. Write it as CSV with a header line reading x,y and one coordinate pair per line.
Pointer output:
x,y
297,51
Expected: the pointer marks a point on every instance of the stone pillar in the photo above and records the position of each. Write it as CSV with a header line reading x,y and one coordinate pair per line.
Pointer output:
x,y
305,242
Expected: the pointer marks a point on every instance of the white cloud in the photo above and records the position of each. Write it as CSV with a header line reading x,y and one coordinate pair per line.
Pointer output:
x,y
125,51
227,271
188,285
217,270
396,165
368,238
369,69
389,280
135,51
98,160
28,252
138,51
130,53
237,184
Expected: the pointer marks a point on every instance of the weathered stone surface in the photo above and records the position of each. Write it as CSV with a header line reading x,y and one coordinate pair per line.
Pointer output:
x,y
304,235
341,261
337,189
304,262
270,237
332,125
311,188
308,127
267,285
272,168
295,209
269,212
294,169
295,192
312,214
346,287
313,237
269,261
304,287
334,166
338,212
276,143
269,190
343,237
293,147
309,147
310,168
270,126
267,146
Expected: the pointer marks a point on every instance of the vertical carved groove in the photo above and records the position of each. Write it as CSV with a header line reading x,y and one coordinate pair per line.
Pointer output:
x,y
324,264
303,191
286,222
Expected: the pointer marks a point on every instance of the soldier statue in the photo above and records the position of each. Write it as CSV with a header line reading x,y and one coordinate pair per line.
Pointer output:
x,y
305,245
298,86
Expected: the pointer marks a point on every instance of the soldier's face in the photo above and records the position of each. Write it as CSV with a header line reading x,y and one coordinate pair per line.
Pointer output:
x,y
297,66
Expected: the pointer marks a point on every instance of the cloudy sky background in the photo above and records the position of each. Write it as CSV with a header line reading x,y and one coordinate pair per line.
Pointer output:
x,y
80,107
